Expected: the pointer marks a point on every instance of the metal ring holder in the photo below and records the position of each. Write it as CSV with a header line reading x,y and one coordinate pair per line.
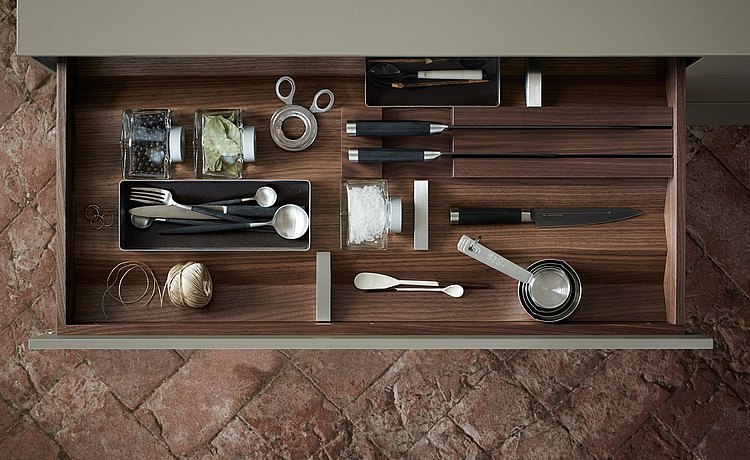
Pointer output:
x,y
291,110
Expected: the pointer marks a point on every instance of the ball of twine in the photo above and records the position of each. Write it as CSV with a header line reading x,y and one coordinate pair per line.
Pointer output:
x,y
190,285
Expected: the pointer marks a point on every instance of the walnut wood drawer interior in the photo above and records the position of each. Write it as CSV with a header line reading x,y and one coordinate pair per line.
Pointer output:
x,y
632,271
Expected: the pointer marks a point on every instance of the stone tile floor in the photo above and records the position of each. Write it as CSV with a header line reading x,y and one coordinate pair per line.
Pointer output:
x,y
366,404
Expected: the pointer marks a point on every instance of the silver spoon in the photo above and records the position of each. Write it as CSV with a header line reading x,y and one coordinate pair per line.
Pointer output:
x,y
290,221
454,290
264,196
369,281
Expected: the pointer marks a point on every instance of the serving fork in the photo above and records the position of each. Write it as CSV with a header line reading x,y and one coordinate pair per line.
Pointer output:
x,y
153,195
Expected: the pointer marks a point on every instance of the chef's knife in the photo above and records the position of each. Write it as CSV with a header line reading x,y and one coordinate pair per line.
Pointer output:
x,y
428,128
542,217
380,155
173,212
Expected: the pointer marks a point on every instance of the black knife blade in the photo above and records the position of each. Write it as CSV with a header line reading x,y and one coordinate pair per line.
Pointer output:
x,y
541,217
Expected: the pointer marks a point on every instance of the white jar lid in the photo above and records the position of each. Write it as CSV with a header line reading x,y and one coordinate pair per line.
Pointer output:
x,y
248,144
176,144
395,214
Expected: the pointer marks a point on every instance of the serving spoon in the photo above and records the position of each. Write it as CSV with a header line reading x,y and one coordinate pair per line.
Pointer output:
x,y
290,222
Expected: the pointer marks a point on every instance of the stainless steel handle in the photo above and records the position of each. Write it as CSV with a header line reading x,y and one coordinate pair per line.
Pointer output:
x,y
473,249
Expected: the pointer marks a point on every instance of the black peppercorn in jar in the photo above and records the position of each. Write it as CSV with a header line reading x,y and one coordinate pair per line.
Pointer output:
x,y
149,143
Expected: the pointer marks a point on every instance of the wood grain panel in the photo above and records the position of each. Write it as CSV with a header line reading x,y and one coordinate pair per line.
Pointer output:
x,y
552,168
222,66
578,142
564,116
374,328
65,291
674,276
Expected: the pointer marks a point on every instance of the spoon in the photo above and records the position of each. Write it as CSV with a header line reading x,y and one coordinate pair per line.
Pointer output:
x,y
387,73
454,290
264,196
368,281
290,221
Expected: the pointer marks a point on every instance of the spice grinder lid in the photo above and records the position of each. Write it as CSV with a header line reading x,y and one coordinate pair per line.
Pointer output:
x,y
248,144
396,211
176,144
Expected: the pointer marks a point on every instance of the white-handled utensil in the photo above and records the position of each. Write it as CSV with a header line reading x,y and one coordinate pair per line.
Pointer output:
x,y
368,281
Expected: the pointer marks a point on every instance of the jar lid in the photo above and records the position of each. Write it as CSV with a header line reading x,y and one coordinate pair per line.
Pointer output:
x,y
248,144
176,144
395,214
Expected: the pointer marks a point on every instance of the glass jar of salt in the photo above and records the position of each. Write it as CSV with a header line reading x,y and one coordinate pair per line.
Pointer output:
x,y
222,143
149,143
368,214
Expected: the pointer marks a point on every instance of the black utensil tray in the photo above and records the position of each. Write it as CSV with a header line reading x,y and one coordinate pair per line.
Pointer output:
x,y
133,238
470,95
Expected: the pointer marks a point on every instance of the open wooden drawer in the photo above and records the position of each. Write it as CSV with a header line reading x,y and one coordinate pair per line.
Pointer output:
x,y
632,271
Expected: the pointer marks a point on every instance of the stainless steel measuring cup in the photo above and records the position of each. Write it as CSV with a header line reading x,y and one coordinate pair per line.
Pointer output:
x,y
297,111
549,290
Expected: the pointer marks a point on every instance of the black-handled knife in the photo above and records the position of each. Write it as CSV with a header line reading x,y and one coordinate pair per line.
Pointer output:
x,y
541,217
393,128
377,128
378,155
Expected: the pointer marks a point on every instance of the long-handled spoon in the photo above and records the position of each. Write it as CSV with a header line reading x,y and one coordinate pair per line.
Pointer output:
x,y
371,281
290,221
264,196
454,290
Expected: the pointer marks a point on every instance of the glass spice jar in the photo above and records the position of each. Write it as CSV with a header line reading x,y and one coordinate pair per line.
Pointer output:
x,y
149,143
368,214
222,144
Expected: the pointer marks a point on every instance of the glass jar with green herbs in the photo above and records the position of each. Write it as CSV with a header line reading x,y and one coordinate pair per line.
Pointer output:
x,y
222,143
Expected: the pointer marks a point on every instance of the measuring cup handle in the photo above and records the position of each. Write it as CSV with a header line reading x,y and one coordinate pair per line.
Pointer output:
x,y
315,108
286,99
478,252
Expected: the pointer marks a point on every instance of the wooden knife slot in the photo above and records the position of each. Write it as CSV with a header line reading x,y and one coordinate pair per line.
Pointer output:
x,y
632,270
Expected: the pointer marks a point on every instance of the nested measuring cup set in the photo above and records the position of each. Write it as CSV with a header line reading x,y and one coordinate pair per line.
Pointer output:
x,y
549,289
221,144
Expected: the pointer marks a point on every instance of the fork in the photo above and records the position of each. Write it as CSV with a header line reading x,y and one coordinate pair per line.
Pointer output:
x,y
153,195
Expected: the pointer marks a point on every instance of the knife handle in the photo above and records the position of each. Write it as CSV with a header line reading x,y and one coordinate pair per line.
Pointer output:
x,y
219,214
208,228
388,128
478,216
375,155
250,211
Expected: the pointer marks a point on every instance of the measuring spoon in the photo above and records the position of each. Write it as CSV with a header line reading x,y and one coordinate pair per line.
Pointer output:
x,y
454,290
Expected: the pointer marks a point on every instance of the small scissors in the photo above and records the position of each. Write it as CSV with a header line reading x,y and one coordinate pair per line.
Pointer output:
x,y
297,111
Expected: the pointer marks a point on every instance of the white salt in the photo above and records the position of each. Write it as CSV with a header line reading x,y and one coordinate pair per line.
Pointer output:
x,y
366,213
